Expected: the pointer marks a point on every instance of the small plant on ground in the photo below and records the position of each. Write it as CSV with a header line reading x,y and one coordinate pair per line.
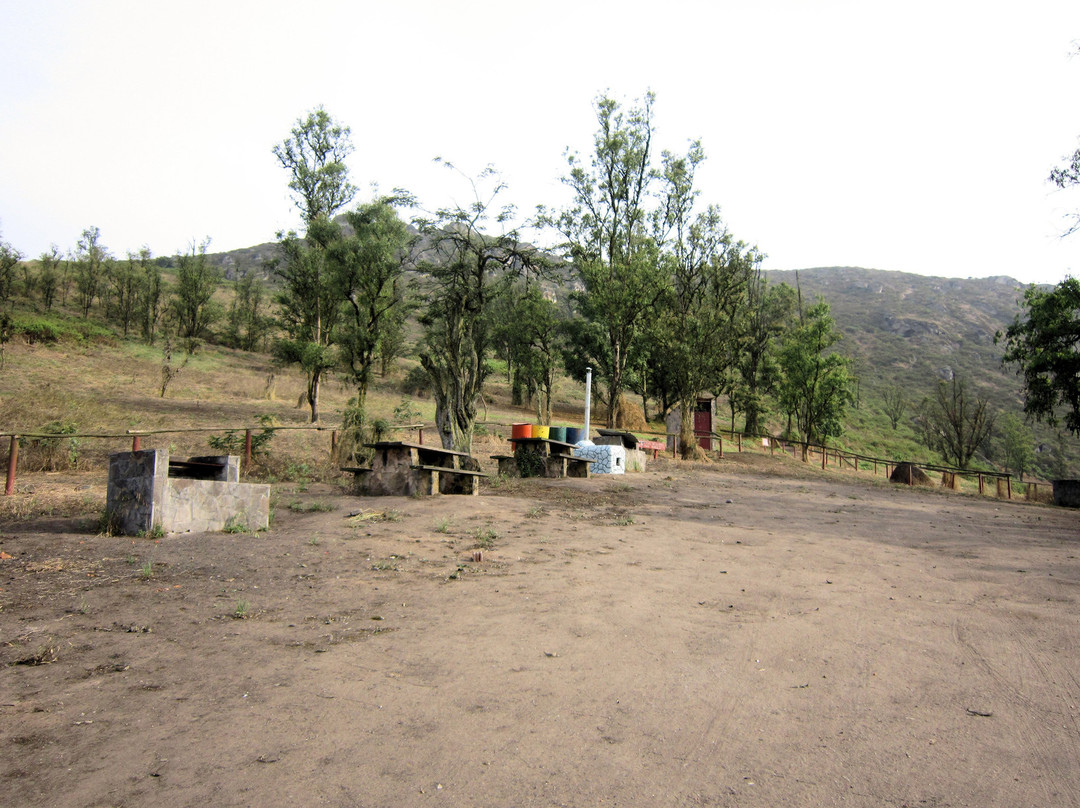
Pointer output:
x,y
147,571
535,512
242,610
235,525
485,537
386,565
296,506
443,525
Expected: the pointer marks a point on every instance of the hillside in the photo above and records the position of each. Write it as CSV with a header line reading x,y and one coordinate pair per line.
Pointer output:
x,y
912,330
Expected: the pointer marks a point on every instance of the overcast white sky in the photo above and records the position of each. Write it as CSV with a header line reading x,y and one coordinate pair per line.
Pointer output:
x,y
912,136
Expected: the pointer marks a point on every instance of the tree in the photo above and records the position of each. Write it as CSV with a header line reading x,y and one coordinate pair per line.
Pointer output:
x,y
149,292
953,425
49,276
1044,342
1065,176
308,306
9,260
367,267
193,305
314,155
247,323
607,232
816,388
534,340
765,314
467,268
895,400
1017,445
90,258
124,282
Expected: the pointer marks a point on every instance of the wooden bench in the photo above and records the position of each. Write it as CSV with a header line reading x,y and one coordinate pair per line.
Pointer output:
x,y
355,470
447,480
655,446
576,466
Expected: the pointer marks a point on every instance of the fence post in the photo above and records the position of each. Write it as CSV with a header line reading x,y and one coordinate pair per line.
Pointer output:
x,y
740,442
720,443
420,431
824,456
333,443
1008,487
981,483
247,449
13,460
136,443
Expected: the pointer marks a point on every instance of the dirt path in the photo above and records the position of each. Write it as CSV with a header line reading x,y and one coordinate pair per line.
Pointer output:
x,y
715,637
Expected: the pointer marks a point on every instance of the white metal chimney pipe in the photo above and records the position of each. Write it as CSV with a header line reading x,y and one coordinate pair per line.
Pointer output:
x,y
588,399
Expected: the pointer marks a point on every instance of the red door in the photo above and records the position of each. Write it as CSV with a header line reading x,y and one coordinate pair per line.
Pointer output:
x,y
703,425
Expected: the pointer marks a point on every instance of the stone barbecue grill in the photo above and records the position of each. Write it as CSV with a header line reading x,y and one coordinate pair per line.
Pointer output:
x,y
148,491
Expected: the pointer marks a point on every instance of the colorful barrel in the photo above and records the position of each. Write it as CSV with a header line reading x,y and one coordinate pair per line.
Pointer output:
x,y
521,430
557,433
575,434
540,431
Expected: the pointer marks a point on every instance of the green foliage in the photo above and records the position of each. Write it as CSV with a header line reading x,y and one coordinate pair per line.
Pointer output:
x,y
90,259
9,261
817,386
367,266
232,441
416,382
1044,343
1017,444
192,305
314,155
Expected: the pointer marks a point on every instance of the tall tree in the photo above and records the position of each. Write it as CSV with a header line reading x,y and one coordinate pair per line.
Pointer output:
x,y
124,282
193,305
367,266
314,155
149,295
1044,343
49,276
1017,445
90,258
816,387
953,424
607,230
766,314
467,266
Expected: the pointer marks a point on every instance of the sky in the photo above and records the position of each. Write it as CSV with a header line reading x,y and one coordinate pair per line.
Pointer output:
x,y
915,136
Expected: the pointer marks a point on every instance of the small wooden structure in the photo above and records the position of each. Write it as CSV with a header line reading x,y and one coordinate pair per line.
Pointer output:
x,y
400,468
542,457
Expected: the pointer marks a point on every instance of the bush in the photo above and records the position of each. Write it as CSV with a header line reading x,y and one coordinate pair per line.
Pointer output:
x,y
54,453
232,441
416,382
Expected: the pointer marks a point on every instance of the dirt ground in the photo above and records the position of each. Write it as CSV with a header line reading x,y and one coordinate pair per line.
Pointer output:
x,y
718,636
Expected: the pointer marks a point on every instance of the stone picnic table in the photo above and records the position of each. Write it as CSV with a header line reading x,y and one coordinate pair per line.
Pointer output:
x,y
542,457
400,468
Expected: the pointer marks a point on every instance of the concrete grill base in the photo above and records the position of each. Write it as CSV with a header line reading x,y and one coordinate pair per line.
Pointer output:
x,y
145,495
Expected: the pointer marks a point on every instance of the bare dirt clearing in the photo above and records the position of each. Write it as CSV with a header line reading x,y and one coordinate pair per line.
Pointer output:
x,y
716,636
